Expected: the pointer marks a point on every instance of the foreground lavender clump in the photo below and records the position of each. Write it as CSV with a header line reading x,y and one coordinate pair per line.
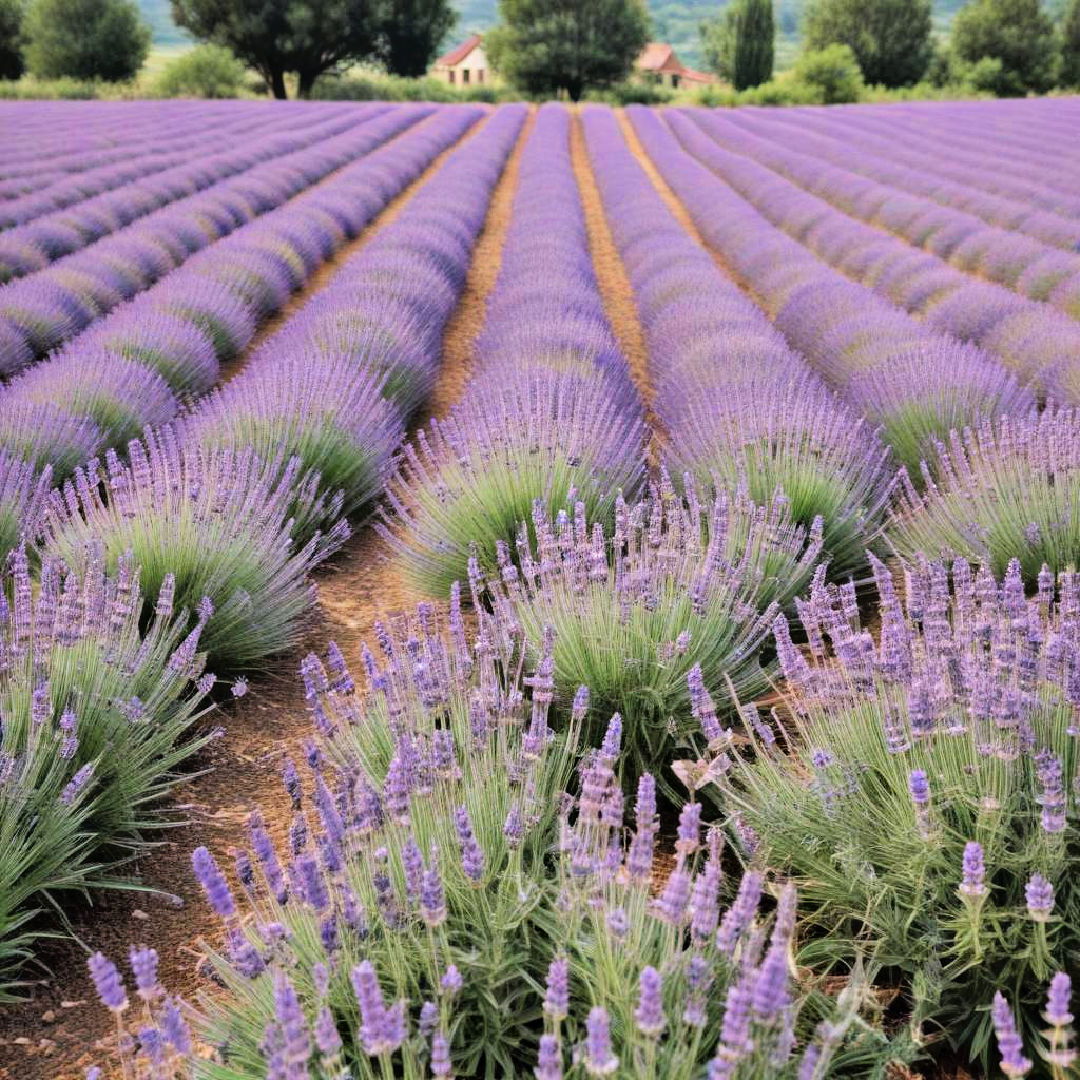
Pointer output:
x,y
438,876
471,479
675,586
921,785
23,494
1003,491
96,719
217,521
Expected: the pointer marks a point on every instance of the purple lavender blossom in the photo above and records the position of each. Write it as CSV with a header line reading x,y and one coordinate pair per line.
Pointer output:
x,y
649,1014
549,1059
1010,1045
108,983
974,871
557,992
1039,894
213,883
599,1058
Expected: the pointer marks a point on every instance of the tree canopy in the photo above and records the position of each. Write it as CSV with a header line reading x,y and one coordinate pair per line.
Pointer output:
x,y
307,37
412,31
1070,46
11,58
890,38
1018,34
85,39
548,46
739,43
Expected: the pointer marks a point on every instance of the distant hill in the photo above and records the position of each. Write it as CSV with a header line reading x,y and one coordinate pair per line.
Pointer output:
x,y
673,20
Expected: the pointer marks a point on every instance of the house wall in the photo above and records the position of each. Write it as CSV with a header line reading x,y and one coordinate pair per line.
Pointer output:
x,y
472,71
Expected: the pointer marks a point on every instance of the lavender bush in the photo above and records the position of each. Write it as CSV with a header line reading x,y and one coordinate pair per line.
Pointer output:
x,y
216,522
1001,492
675,586
97,717
919,786
445,908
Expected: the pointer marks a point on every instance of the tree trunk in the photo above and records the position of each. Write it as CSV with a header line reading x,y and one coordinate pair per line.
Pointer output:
x,y
277,84
574,89
307,81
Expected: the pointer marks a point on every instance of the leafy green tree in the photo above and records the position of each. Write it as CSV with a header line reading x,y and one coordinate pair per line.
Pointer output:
x,y
307,37
832,74
208,71
1019,34
412,32
85,39
547,46
739,43
1070,46
890,38
11,58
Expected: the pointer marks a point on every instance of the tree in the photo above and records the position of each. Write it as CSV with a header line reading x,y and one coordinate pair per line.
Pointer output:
x,y
739,43
1070,46
832,74
11,58
890,38
85,39
547,46
307,37
412,32
208,71
1019,34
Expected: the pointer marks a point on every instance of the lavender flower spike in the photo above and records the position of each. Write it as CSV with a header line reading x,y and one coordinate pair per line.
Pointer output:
x,y
599,1057
108,983
974,883
1010,1045
649,1014
1039,894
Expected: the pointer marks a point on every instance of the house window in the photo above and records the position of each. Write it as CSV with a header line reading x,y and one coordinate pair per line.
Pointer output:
x,y
453,75
480,75
465,76
674,82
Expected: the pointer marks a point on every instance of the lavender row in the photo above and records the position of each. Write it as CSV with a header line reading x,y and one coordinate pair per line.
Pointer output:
x,y
158,152
1017,261
51,140
209,520
34,245
134,368
740,408
1033,340
959,148
916,383
916,172
550,414
338,383
40,312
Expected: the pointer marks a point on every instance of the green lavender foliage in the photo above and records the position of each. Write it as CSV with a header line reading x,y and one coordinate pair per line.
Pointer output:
x,y
97,718
217,523
913,783
1007,490
545,915
673,586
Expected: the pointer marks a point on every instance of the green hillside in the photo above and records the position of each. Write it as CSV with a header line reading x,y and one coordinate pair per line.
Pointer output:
x,y
673,20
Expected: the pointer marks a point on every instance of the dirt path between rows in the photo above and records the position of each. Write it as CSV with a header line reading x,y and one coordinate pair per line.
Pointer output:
x,y
325,273
682,215
617,293
63,1028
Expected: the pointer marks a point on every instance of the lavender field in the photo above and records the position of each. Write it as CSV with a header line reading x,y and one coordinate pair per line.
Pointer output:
x,y
539,592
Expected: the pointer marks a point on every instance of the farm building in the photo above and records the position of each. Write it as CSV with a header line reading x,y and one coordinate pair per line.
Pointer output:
x,y
465,65
660,65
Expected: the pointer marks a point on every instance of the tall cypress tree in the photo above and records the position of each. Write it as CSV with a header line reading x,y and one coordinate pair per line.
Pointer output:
x,y
739,42
755,34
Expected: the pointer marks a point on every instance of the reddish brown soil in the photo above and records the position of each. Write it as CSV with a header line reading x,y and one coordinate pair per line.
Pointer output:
x,y
615,289
61,1028
671,200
